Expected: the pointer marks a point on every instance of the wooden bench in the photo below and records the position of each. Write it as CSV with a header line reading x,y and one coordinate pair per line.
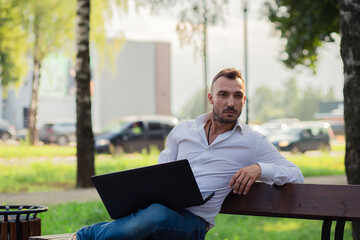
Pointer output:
x,y
64,236
329,203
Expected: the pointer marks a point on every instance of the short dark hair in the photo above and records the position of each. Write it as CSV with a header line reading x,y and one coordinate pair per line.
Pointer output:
x,y
230,73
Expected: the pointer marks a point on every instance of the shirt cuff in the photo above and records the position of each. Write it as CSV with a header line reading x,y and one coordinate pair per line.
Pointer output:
x,y
267,173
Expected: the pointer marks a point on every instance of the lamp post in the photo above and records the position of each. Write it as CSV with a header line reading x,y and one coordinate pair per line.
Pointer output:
x,y
245,9
205,57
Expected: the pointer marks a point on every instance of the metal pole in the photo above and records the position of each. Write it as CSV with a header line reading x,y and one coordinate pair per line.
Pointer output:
x,y
246,60
205,57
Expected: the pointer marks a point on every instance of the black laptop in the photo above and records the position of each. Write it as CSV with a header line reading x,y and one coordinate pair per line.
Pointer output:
x,y
172,184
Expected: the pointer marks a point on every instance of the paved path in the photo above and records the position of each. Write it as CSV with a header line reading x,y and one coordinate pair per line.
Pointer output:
x,y
83,195
49,198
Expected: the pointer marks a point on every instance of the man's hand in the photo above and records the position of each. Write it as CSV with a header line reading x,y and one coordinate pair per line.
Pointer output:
x,y
244,178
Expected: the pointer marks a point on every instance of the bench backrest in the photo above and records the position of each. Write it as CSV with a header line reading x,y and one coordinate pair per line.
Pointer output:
x,y
305,201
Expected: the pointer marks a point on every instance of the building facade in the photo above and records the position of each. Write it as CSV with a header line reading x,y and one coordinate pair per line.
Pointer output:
x,y
136,82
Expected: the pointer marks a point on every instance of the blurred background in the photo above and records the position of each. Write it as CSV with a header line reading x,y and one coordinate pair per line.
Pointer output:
x,y
145,66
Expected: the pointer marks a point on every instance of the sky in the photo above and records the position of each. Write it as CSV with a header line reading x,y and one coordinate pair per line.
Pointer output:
x,y
225,49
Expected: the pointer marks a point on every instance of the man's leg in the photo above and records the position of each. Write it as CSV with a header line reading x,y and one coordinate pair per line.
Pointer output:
x,y
156,221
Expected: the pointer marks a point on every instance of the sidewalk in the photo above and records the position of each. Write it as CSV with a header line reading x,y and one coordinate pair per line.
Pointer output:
x,y
90,194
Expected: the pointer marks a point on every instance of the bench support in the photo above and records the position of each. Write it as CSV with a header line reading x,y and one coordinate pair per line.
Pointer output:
x,y
326,228
339,229
327,203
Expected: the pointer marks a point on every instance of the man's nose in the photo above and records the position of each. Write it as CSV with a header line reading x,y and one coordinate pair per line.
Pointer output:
x,y
231,101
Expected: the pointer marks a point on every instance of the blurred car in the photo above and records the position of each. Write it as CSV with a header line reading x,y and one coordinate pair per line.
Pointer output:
x,y
134,133
303,136
7,131
21,134
60,133
276,126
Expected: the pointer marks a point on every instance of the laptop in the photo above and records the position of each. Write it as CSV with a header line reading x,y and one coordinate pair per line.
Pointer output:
x,y
172,184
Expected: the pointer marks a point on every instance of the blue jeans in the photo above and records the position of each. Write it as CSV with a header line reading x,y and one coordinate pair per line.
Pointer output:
x,y
155,222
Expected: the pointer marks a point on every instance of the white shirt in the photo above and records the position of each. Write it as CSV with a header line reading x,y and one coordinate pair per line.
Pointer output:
x,y
214,165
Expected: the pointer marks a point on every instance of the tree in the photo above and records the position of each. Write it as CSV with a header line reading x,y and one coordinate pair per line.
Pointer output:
x,y
192,29
13,44
289,102
86,20
306,25
265,109
308,105
49,24
84,133
194,19
350,54
192,108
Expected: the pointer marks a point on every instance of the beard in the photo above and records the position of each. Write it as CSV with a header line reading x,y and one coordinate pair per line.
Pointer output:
x,y
217,115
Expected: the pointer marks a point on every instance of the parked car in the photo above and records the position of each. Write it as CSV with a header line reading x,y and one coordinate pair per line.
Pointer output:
x,y
304,136
58,132
275,126
7,131
134,133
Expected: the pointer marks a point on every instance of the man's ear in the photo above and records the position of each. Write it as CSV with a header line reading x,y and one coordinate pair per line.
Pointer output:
x,y
210,98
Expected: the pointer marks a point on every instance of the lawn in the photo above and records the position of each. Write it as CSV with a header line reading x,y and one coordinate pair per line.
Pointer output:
x,y
25,168
40,168
67,218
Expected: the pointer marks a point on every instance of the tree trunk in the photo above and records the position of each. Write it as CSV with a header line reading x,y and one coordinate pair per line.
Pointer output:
x,y
84,133
33,134
350,54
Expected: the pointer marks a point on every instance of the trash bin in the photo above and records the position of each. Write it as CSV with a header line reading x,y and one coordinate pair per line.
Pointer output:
x,y
18,222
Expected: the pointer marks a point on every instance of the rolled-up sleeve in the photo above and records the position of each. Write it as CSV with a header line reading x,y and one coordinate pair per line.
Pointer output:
x,y
275,169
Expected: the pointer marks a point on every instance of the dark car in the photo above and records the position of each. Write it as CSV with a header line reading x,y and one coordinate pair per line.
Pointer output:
x,y
7,131
60,133
304,136
134,134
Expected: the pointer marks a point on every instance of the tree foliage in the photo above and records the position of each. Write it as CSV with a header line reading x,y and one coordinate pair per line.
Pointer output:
x,y
13,43
290,102
305,25
269,103
194,16
49,25
193,107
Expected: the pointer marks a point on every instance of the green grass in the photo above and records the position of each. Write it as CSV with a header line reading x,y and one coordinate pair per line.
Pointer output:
x,y
56,173
25,168
26,151
40,168
338,147
322,165
67,218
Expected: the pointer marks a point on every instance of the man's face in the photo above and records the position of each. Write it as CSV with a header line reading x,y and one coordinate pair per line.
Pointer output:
x,y
228,98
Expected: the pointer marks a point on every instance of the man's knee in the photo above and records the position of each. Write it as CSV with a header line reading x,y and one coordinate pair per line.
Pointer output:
x,y
160,214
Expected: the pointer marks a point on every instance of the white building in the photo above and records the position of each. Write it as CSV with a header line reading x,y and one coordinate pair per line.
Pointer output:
x,y
136,83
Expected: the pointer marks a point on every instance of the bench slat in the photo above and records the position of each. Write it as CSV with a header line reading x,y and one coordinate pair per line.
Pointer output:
x,y
305,201
65,236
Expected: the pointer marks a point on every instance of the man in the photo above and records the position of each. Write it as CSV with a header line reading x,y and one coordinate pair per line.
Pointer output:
x,y
224,155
